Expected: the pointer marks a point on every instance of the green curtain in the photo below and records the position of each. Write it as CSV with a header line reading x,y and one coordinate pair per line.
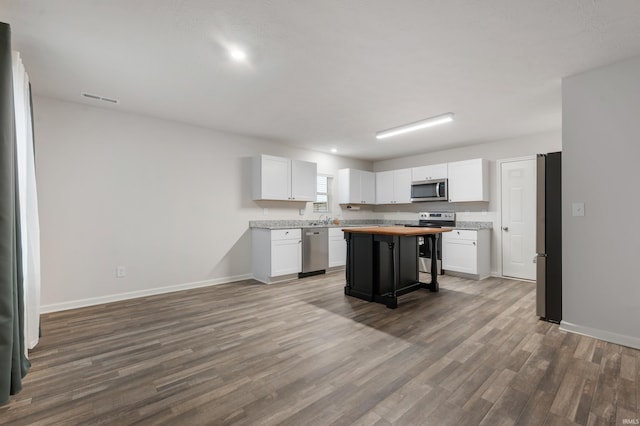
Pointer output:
x,y
13,362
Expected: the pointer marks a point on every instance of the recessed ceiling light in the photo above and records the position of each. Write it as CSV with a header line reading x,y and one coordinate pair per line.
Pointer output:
x,y
431,121
334,150
237,54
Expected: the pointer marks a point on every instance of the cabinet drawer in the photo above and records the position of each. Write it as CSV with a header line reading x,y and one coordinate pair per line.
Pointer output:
x,y
460,234
285,234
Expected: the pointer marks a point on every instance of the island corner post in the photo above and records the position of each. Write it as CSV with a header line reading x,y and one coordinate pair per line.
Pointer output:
x,y
382,262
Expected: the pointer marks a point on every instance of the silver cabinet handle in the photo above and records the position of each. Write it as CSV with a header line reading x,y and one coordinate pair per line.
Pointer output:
x,y
505,228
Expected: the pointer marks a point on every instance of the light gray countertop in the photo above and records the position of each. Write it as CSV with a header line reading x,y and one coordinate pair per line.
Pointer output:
x,y
287,224
473,226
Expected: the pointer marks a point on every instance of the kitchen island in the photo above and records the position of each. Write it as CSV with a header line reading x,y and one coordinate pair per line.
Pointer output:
x,y
382,262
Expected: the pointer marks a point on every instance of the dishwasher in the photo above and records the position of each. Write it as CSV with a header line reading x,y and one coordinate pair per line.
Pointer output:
x,y
315,251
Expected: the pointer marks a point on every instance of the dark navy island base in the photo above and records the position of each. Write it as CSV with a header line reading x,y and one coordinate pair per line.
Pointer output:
x,y
382,262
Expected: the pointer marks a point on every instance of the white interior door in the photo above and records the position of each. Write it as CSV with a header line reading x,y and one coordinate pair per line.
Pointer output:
x,y
519,219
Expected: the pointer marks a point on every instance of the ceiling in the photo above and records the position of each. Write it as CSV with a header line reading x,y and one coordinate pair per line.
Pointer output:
x,y
326,73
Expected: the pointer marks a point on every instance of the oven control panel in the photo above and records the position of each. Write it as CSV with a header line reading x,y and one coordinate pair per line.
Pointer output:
x,y
437,216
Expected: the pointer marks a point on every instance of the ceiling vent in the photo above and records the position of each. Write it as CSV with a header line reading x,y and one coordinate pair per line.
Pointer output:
x,y
100,98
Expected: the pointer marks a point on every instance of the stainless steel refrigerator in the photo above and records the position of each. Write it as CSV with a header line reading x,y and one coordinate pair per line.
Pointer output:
x,y
549,237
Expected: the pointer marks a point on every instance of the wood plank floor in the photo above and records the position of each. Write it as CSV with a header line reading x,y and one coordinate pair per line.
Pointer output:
x,y
303,353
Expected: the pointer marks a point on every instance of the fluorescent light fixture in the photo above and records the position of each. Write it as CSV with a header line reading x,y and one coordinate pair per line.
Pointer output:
x,y
432,121
334,150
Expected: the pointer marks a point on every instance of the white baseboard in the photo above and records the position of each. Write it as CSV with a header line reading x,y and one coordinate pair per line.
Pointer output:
x,y
608,336
81,303
278,279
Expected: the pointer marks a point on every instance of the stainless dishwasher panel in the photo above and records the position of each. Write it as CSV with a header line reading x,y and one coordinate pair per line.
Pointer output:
x,y
315,249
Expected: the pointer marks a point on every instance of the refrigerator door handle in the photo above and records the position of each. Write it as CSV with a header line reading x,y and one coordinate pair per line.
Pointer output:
x,y
541,285
540,204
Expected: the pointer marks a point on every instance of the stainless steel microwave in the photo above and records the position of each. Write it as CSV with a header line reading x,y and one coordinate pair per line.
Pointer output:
x,y
429,190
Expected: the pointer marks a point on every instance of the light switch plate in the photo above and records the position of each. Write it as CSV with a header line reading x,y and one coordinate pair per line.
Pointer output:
x,y
121,271
577,209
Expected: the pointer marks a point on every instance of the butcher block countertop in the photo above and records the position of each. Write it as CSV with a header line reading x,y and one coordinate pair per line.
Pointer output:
x,y
396,230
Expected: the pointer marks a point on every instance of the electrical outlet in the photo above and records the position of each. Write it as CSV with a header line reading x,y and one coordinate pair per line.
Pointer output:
x,y
121,271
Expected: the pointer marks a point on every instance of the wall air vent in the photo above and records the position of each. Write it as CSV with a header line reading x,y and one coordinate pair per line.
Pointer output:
x,y
100,98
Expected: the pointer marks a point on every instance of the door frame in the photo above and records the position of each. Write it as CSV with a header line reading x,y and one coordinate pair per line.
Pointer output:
x,y
499,206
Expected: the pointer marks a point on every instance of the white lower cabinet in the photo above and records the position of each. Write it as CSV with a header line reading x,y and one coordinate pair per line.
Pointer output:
x,y
337,248
467,251
276,253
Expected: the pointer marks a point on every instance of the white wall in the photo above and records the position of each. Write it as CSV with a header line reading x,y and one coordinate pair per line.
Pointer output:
x,y
601,152
480,211
168,201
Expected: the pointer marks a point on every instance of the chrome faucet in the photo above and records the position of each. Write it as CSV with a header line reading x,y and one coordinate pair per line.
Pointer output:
x,y
326,219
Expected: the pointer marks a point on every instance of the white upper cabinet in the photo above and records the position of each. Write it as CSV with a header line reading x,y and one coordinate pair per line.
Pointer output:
x,y
368,187
277,178
385,191
272,178
469,180
393,187
402,185
304,180
356,187
434,171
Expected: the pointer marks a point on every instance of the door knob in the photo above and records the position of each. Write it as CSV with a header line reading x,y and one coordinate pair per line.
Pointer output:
x,y
505,228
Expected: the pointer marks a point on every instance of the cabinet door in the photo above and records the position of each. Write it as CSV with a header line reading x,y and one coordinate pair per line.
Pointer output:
x,y
337,251
286,257
402,186
349,191
433,171
385,187
344,186
275,178
303,180
355,191
368,187
356,187
468,180
460,256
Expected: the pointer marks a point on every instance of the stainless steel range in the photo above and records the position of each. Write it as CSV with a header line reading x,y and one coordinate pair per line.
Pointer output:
x,y
432,220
